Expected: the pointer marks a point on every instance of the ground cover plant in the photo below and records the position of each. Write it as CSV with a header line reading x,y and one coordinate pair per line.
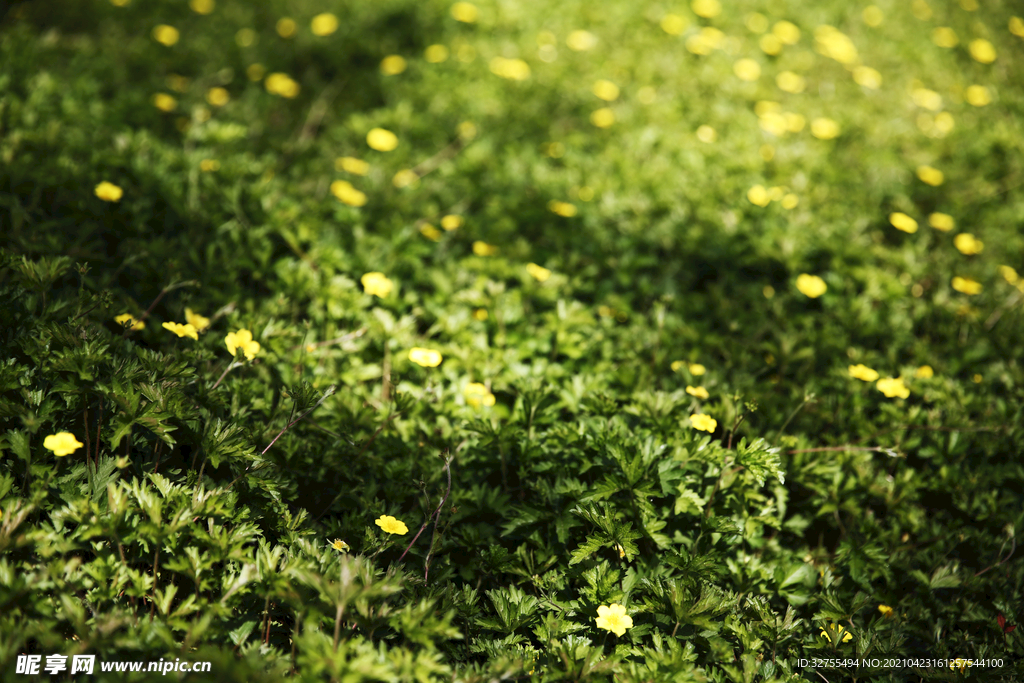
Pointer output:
x,y
552,341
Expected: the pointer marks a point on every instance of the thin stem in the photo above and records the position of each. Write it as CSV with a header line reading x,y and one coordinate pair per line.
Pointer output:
x,y
88,442
232,365
807,399
436,512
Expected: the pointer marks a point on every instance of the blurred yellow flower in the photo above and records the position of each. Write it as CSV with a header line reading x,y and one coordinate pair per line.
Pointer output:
x,y
977,96
862,372
867,77
512,69
381,140
340,546
941,221
109,192
484,249
675,365
872,16
839,632
392,65
893,387
967,244
835,44
673,24
466,12
930,175
405,178
758,195
351,165
966,285
747,70
770,44
924,372
787,32
376,284
921,10
943,36
696,369
202,6
1016,26
478,395
282,85
810,285
452,221
982,51
790,201
613,617
707,9
480,314
427,358
245,37
165,35
128,319
926,99
344,191
430,232
195,320
386,522
242,339
254,72
324,24
603,117
539,273
580,40
902,221
756,22
218,97
774,123
286,27
562,208
790,82
435,54
705,42
705,423
824,128
1009,274
606,90
62,443
186,330
699,392
706,134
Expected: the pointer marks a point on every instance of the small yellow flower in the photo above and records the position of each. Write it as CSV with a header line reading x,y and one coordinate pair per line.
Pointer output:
x,y
810,285
246,37
109,192
966,285
581,41
902,221
708,9
967,244
254,72
164,102
707,134
427,358
465,12
770,44
451,222
562,208
787,32
1016,26
430,232
873,16
62,443
704,423
392,525
867,77
941,221
930,175
435,54
1009,274
165,35
606,90
480,314
924,372
202,6
351,165
673,24
324,24
982,51
405,178
484,249
340,545
747,70
759,196
790,201
208,165
478,394
512,69
186,330
127,319
675,365
603,117
344,191
376,284
824,128
977,96
893,387
540,273
392,65
218,97
790,82
696,369
839,632
835,44
286,27
862,372
699,392
960,663
614,618
282,85
885,610
242,339
195,320
381,140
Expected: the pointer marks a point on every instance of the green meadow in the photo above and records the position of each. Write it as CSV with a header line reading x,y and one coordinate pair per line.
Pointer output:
x,y
512,341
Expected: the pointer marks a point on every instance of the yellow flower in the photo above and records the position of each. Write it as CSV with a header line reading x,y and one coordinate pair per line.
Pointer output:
x,y
756,22
242,339
340,546
207,165
787,32
613,617
790,82
477,394
286,27
186,330
165,35
126,318
282,85
867,77
770,44
885,610
824,128
430,232
966,244
164,102
839,632
109,192
451,222
512,69
893,387
707,9
427,358
581,41
392,65
606,90
377,284
435,54
62,443
924,372
675,365
343,190
382,140
977,96
966,285
790,201
254,72
696,369
902,221
703,422
484,249
699,392
195,320
930,175
540,273
810,285
351,165
202,6
835,44
1017,26
562,208
673,24
218,97
759,196
392,525
405,178
324,24
707,134
603,117
872,16
245,37
465,12
982,51
862,372
1009,274
480,314
943,36
960,663
941,221
747,70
